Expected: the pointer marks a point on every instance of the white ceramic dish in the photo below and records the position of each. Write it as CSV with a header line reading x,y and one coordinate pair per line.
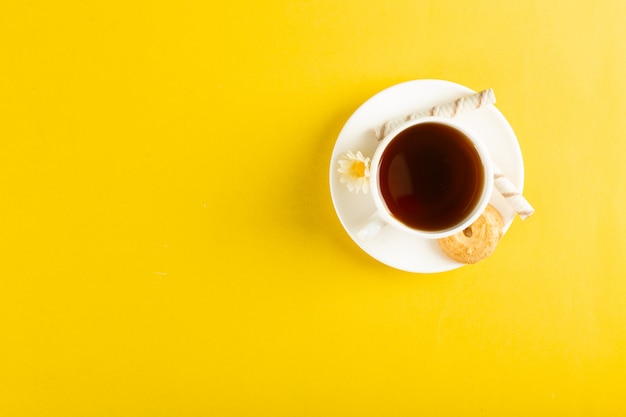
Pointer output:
x,y
393,247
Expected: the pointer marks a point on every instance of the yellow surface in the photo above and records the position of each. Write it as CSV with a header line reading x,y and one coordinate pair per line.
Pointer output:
x,y
168,243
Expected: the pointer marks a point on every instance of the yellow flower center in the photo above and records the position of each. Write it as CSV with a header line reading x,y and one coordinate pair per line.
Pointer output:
x,y
357,169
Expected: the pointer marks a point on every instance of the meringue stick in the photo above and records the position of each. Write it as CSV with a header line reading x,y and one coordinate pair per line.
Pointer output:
x,y
512,195
452,109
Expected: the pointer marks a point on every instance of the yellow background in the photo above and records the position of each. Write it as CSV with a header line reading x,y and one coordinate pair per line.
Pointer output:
x,y
168,245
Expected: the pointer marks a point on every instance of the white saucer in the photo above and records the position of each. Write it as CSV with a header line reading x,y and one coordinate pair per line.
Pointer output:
x,y
393,247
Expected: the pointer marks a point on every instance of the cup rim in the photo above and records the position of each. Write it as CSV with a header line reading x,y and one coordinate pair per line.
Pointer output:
x,y
486,191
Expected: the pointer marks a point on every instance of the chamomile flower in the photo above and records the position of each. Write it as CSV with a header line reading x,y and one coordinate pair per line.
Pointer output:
x,y
355,171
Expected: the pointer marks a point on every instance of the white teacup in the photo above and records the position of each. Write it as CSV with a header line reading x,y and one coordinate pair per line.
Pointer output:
x,y
431,177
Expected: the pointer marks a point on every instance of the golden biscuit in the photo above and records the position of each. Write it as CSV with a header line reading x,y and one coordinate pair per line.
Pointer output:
x,y
477,241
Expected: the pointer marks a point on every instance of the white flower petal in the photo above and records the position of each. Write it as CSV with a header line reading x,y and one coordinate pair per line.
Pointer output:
x,y
355,171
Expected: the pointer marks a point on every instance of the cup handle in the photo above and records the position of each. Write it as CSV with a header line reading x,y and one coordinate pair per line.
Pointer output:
x,y
372,227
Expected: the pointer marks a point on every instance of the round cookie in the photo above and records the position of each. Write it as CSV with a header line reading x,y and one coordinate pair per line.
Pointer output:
x,y
477,241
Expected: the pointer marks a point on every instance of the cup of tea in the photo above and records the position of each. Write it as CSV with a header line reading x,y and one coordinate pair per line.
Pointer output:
x,y
431,177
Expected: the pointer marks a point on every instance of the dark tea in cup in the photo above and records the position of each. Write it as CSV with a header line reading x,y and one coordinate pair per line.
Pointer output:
x,y
431,176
